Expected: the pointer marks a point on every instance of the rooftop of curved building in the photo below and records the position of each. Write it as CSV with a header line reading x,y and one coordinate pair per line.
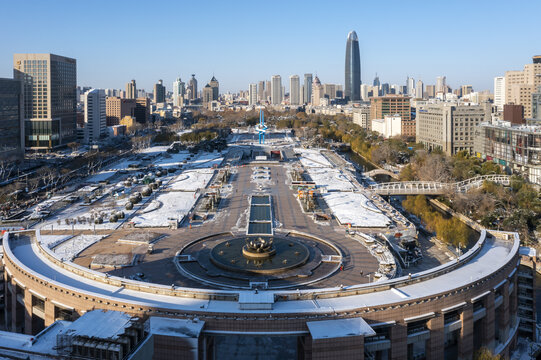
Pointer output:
x,y
353,36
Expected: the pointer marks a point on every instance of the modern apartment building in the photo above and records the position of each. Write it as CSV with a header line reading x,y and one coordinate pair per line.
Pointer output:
x,y
131,90
450,127
276,90
95,125
142,110
116,108
252,94
294,90
159,92
11,120
517,148
393,105
50,99
520,85
536,104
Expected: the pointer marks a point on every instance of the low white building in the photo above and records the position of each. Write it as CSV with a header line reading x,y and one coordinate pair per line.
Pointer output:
x,y
389,126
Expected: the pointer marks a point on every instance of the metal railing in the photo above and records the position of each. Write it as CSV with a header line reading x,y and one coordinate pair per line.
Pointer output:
x,y
436,188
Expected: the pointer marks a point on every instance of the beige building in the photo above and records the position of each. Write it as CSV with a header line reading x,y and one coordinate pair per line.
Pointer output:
x,y
450,127
131,90
520,85
393,105
317,92
116,108
361,117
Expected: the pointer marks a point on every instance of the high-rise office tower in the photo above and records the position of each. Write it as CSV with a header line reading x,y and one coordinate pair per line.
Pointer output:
x,y
50,99
252,94
131,90
261,91
376,81
353,68
95,115
499,92
519,85
419,89
410,84
294,90
11,120
276,90
215,85
385,89
159,92
441,86
179,91
193,87
307,88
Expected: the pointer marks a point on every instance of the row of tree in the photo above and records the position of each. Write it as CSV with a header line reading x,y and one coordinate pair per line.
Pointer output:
x,y
451,230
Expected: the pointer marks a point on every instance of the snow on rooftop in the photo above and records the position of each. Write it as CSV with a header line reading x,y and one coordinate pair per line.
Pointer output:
x,y
328,329
71,247
100,324
355,209
175,327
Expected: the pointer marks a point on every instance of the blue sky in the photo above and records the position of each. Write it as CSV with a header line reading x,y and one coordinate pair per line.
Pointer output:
x,y
241,42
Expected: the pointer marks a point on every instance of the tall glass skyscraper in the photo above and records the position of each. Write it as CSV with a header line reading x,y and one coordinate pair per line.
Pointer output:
x,y
353,68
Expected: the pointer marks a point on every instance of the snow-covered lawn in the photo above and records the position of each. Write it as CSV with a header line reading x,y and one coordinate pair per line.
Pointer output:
x,y
355,209
312,158
206,160
191,180
70,248
175,205
168,160
331,179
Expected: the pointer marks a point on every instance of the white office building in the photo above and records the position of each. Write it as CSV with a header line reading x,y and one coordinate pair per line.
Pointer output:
x,y
499,92
95,119
388,127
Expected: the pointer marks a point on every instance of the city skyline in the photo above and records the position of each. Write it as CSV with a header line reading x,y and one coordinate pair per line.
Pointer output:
x,y
458,51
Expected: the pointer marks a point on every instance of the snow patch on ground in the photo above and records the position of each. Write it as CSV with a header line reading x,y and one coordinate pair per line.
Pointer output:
x,y
191,180
331,179
355,209
175,205
312,158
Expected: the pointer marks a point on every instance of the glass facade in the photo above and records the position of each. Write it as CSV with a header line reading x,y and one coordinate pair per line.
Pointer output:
x,y
353,68
50,96
10,119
